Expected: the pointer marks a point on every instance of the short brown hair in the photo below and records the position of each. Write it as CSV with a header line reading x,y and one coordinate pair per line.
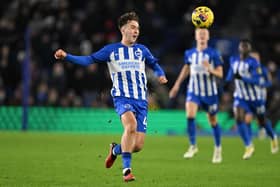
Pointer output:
x,y
129,16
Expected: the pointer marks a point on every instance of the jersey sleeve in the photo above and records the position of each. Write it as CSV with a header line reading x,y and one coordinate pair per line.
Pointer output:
x,y
81,60
100,56
187,57
103,55
152,62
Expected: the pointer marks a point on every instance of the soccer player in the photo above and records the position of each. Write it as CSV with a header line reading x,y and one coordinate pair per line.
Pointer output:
x,y
126,62
203,64
246,72
262,119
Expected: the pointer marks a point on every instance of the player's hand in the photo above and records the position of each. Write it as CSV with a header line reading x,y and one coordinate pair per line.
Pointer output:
x,y
174,90
206,65
60,54
162,80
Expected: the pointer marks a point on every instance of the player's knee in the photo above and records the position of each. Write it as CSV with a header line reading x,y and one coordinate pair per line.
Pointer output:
x,y
130,129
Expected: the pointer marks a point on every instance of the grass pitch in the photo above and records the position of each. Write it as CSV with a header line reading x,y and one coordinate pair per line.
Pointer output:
x,y
61,159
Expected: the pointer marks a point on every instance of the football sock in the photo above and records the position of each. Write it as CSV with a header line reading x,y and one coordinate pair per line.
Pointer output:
x,y
191,130
243,131
268,129
126,159
217,134
249,128
117,150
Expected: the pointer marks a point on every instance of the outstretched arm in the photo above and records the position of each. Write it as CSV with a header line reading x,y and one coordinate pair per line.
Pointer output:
x,y
82,60
182,76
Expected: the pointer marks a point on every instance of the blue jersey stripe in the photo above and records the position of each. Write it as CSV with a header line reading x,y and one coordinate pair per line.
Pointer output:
x,y
120,84
130,86
212,84
137,75
255,92
144,81
198,82
205,85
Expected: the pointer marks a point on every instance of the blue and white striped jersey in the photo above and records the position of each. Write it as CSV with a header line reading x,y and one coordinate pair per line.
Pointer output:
x,y
247,87
201,82
126,66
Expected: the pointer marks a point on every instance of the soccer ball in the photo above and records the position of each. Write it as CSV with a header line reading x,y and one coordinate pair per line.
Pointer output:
x,y
202,17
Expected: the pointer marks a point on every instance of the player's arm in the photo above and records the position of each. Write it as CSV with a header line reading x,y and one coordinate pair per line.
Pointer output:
x,y
81,60
256,77
182,76
100,56
217,68
218,71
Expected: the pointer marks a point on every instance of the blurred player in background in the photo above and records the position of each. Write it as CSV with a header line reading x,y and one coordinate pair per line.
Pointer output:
x,y
126,62
203,64
247,75
266,82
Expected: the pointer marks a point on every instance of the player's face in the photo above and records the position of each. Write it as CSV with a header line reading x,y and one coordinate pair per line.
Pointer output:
x,y
201,35
130,31
244,48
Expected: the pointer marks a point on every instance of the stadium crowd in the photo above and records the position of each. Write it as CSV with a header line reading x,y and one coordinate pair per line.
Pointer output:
x,y
81,27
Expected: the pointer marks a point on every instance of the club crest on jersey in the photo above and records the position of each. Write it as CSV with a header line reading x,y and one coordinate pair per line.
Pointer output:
x,y
138,53
127,106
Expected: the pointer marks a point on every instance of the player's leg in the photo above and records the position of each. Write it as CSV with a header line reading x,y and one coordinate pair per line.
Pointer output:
x,y
191,110
262,132
216,129
128,142
240,110
239,114
125,108
266,124
217,154
140,115
248,121
138,145
126,147
141,112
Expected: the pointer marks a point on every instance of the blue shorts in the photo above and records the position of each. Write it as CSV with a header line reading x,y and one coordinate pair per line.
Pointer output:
x,y
209,103
138,107
251,107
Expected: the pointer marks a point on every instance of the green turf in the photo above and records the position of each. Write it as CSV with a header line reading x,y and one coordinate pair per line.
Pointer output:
x,y
52,159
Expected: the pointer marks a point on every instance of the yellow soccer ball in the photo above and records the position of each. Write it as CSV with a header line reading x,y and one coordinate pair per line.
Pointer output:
x,y
202,17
